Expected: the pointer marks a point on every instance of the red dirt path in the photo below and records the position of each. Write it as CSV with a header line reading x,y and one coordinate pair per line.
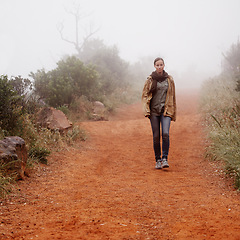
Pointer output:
x,y
108,188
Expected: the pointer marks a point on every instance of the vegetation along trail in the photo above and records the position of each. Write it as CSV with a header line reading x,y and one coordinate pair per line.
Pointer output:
x,y
109,188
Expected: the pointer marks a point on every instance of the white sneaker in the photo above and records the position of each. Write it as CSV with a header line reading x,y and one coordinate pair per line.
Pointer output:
x,y
165,163
158,164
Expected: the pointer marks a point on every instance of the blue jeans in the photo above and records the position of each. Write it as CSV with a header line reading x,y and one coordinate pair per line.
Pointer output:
x,y
156,121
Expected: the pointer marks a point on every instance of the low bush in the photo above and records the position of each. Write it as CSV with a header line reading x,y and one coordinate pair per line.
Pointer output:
x,y
5,183
39,153
220,106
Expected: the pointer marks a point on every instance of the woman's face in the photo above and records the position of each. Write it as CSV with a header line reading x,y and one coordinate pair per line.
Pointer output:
x,y
159,65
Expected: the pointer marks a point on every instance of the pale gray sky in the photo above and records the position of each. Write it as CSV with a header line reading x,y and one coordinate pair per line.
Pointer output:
x,y
190,35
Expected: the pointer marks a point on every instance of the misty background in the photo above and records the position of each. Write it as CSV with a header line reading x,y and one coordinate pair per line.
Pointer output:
x,y
191,35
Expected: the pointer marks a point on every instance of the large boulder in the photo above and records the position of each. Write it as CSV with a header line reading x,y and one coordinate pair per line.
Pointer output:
x,y
13,153
99,111
53,119
98,107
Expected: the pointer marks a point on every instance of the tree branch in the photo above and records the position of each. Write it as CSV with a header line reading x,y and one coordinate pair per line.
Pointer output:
x,y
76,43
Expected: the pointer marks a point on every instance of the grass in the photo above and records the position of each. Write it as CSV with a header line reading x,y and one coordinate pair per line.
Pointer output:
x,y
7,177
220,107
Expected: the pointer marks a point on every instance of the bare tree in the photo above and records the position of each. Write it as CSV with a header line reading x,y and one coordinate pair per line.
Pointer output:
x,y
77,43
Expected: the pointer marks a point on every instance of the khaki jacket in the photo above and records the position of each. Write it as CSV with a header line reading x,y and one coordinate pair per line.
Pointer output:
x,y
170,104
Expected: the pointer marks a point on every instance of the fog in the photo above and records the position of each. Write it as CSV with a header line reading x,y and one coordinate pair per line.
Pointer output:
x,y
190,35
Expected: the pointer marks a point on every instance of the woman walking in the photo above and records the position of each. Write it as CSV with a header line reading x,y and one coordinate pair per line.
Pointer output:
x,y
159,105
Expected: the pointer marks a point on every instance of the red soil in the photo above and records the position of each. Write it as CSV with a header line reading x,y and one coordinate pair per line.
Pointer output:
x,y
108,188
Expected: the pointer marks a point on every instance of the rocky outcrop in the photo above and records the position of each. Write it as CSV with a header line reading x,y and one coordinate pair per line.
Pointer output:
x,y
53,119
13,154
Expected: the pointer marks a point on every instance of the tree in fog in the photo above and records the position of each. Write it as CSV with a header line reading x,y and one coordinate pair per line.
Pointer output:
x,y
113,71
79,40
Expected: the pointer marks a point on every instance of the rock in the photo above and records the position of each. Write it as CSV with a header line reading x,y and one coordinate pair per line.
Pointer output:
x,y
99,112
13,151
53,119
98,107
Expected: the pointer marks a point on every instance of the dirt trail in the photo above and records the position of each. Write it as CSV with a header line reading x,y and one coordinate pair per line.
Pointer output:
x,y
109,188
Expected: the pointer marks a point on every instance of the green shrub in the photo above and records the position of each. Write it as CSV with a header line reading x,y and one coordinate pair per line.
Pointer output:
x,y
64,109
220,107
71,78
10,108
